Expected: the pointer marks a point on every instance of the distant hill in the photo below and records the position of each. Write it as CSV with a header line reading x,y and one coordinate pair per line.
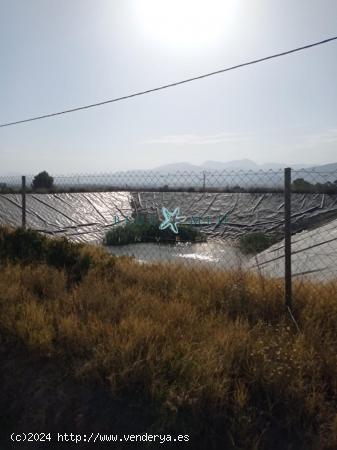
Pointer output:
x,y
177,167
325,173
11,174
326,167
240,164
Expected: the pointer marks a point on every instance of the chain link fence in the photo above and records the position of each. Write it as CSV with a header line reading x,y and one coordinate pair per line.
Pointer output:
x,y
314,247
279,225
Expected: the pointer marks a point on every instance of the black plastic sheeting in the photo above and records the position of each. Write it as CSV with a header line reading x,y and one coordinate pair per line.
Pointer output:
x,y
85,217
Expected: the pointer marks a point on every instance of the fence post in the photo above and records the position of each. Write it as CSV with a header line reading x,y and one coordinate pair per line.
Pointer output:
x,y
287,237
23,200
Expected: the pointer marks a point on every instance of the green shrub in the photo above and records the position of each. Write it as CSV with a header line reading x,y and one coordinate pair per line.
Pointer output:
x,y
256,242
149,232
30,247
21,245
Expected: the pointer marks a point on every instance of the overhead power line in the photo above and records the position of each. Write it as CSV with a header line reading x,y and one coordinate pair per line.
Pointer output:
x,y
166,86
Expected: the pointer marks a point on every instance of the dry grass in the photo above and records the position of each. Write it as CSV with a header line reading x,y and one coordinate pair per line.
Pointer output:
x,y
213,354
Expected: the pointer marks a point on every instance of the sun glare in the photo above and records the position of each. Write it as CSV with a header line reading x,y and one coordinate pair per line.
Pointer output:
x,y
186,22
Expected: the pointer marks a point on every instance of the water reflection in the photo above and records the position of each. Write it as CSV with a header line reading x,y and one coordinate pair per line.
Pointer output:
x,y
221,253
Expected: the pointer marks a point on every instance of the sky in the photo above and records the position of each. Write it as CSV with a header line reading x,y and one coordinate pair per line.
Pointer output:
x,y
59,54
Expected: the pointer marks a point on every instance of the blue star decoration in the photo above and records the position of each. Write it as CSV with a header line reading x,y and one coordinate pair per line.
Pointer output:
x,y
171,219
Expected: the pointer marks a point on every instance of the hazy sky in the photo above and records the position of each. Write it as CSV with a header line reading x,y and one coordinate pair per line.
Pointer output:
x,y
57,54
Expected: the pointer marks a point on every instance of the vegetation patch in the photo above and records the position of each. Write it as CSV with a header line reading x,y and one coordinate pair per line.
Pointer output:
x,y
30,247
252,243
148,231
302,185
43,181
164,349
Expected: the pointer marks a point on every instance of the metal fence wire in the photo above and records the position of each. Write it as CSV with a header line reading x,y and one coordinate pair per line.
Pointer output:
x,y
279,223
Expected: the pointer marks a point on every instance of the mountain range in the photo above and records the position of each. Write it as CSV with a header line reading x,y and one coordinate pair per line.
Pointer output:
x,y
241,164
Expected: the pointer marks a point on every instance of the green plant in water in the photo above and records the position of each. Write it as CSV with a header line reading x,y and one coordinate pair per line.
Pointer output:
x,y
255,242
148,231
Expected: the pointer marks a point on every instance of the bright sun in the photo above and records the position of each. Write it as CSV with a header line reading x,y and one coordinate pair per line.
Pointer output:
x,y
186,22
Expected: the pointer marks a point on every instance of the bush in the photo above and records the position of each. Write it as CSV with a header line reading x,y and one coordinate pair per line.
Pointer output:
x,y
22,245
301,185
256,242
30,247
149,232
